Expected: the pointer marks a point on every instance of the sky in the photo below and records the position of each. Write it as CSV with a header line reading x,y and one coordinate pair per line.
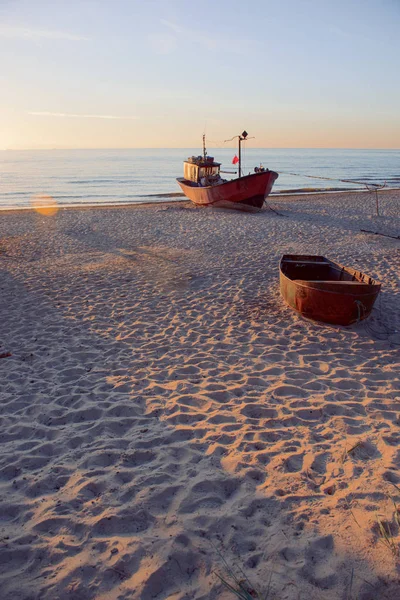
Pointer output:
x,y
160,73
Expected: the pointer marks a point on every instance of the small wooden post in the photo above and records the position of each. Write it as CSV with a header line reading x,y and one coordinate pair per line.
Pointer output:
x,y
375,188
377,202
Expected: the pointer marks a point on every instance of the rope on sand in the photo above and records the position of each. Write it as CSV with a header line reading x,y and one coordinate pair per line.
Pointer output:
x,y
273,209
394,237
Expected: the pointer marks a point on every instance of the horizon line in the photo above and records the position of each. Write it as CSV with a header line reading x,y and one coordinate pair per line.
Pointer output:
x,y
192,147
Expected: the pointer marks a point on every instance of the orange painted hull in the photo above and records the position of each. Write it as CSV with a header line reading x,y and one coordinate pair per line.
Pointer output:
x,y
245,193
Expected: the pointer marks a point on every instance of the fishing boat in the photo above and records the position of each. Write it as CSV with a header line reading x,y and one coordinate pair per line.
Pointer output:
x,y
320,289
203,185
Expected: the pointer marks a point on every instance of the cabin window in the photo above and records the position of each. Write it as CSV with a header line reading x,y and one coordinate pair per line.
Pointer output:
x,y
207,171
195,173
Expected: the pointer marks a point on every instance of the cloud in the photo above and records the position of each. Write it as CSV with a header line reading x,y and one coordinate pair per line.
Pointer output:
x,y
162,94
75,116
221,43
10,31
163,44
203,40
172,26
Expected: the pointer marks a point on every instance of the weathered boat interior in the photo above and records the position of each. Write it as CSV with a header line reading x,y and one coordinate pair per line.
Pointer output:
x,y
318,268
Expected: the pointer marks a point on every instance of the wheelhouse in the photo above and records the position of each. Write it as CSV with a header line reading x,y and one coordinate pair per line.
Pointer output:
x,y
196,168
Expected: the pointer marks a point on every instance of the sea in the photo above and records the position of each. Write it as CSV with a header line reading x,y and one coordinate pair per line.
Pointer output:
x,y
116,177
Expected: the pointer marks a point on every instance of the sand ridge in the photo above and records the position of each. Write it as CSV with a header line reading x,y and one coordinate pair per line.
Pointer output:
x,y
163,406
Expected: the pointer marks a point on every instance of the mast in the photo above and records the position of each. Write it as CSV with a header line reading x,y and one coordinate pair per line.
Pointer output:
x,y
204,147
240,156
241,138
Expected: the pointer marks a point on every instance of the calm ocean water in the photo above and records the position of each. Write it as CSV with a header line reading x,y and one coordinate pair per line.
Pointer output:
x,y
76,177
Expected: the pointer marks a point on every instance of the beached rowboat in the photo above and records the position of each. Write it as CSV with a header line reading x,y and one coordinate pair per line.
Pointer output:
x,y
325,291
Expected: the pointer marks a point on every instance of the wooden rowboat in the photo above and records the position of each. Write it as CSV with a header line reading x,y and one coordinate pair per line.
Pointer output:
x,y
325,291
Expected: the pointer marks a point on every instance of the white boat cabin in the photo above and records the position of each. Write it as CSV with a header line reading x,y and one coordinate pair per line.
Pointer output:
x,y
200,171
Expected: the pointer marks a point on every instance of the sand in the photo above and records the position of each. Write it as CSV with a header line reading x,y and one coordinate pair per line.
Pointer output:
x,y
163,411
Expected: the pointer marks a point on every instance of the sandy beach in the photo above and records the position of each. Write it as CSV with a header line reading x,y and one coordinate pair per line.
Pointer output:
x,y
166,417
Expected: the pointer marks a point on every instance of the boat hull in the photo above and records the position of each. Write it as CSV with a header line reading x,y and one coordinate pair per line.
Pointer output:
x,y
322,290
246,193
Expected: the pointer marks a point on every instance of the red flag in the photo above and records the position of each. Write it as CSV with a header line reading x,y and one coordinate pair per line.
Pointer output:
x,y
235,160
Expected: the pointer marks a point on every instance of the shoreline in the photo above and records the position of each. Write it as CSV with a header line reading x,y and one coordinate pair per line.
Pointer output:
x,y
183,199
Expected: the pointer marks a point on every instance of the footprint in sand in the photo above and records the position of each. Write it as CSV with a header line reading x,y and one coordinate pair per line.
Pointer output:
x,y
294,463
319,463
314,569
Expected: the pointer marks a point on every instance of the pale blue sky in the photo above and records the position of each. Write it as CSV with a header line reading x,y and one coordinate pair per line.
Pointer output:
x,y
155,73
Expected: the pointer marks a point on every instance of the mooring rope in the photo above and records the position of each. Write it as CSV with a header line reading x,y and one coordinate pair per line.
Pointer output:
x,y
353,181
370,186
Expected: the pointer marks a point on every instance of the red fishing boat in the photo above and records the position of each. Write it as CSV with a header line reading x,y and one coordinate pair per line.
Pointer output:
x,y
202,183
325,291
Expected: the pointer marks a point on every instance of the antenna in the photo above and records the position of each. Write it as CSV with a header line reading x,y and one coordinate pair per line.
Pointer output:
x,y
241,138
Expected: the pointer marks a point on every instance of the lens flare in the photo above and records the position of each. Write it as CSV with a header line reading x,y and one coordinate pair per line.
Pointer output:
x,y
44,205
